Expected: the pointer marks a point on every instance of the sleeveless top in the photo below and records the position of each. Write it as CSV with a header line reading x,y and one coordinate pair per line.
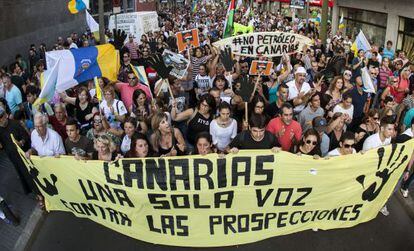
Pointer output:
x,y
162,151
196,125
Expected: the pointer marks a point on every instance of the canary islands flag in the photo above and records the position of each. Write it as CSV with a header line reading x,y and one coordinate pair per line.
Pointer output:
x,y
68,68
75,6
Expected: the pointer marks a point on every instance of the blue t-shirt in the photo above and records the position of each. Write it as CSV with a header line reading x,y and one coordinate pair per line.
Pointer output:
x,y
14,99
408,117
388,53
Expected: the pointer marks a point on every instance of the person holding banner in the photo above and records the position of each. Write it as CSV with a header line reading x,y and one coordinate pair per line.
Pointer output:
x,y
346,145
105,149
309,144
139,147
203,144
256,137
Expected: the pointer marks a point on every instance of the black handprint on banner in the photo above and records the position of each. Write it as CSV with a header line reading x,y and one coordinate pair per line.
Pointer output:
x,y
225,57
49,187
372,192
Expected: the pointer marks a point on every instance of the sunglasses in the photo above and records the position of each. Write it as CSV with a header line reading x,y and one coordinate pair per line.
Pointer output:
x,y
97,121
311,142
348,145
375,118
132,78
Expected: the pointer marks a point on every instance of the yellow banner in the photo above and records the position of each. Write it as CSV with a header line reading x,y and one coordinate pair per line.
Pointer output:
x,y
206,201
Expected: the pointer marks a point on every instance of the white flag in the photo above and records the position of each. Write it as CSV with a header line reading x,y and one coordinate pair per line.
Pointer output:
x,y
239,4
247,12
92,24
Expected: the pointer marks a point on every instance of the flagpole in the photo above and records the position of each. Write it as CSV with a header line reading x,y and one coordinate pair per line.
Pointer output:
x,y
101,22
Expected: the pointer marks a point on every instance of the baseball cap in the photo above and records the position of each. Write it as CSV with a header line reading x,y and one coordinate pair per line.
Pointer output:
x,y
300,70
319,124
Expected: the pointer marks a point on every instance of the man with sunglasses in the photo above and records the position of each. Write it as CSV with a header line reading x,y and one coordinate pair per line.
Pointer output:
x,y
346,145
127,89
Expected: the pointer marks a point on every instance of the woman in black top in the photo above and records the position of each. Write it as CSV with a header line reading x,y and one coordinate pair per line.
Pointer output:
x,y
369,126
309,144
166,140
84,109
335,130
198,119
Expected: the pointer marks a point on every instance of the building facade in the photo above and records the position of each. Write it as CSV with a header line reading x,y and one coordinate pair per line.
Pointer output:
x,y
33,22
380,20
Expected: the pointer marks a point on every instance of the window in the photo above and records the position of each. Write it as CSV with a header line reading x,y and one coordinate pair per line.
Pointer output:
x,y
405,40
373,24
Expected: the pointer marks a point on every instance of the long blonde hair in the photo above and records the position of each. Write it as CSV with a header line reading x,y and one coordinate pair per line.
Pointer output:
x,y
155,124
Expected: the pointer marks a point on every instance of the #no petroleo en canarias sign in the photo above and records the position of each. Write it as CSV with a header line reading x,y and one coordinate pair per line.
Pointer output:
x,y
269,44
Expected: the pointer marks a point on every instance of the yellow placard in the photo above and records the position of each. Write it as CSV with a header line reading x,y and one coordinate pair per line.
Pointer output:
x,y
206,201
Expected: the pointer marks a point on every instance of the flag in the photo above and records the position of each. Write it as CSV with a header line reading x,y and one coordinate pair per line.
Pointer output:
x,y
48,80
139,71
239,4
247,14
228,27
97,89
75,6
92,24
341,22
68,68
239,28
361,43
194,7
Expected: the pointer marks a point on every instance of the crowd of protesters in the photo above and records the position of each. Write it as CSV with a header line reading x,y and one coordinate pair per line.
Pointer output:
x,y
313,103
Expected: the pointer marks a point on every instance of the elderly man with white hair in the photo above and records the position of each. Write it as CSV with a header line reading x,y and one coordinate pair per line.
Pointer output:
x,y
299,90
45,141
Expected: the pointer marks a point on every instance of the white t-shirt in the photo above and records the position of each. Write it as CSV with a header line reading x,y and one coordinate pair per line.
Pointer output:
x,y
294,92
223,136
119,109
335,152
349,111
203,84
374,141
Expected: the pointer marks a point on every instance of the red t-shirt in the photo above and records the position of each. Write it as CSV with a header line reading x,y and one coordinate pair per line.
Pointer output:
x,y
127,91
276,125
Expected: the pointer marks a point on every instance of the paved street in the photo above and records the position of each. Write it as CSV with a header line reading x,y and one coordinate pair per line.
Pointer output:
x,y
63,231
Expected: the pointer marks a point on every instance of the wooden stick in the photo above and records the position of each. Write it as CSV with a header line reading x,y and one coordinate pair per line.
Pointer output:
x,y
246,112
169,88
257,81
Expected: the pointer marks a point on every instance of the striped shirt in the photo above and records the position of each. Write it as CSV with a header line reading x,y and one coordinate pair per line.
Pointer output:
x,y
196,62
384,74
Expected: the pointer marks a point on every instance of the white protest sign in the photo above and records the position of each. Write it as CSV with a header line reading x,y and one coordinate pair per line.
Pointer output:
x,y
137,23
269,44
177,61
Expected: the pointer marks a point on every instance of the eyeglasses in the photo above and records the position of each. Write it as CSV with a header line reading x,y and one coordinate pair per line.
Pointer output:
x,y
348,145
348,74
97,121
311,142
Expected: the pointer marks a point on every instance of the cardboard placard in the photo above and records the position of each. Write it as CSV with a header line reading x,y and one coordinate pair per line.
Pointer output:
x,y
187,39
261,68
